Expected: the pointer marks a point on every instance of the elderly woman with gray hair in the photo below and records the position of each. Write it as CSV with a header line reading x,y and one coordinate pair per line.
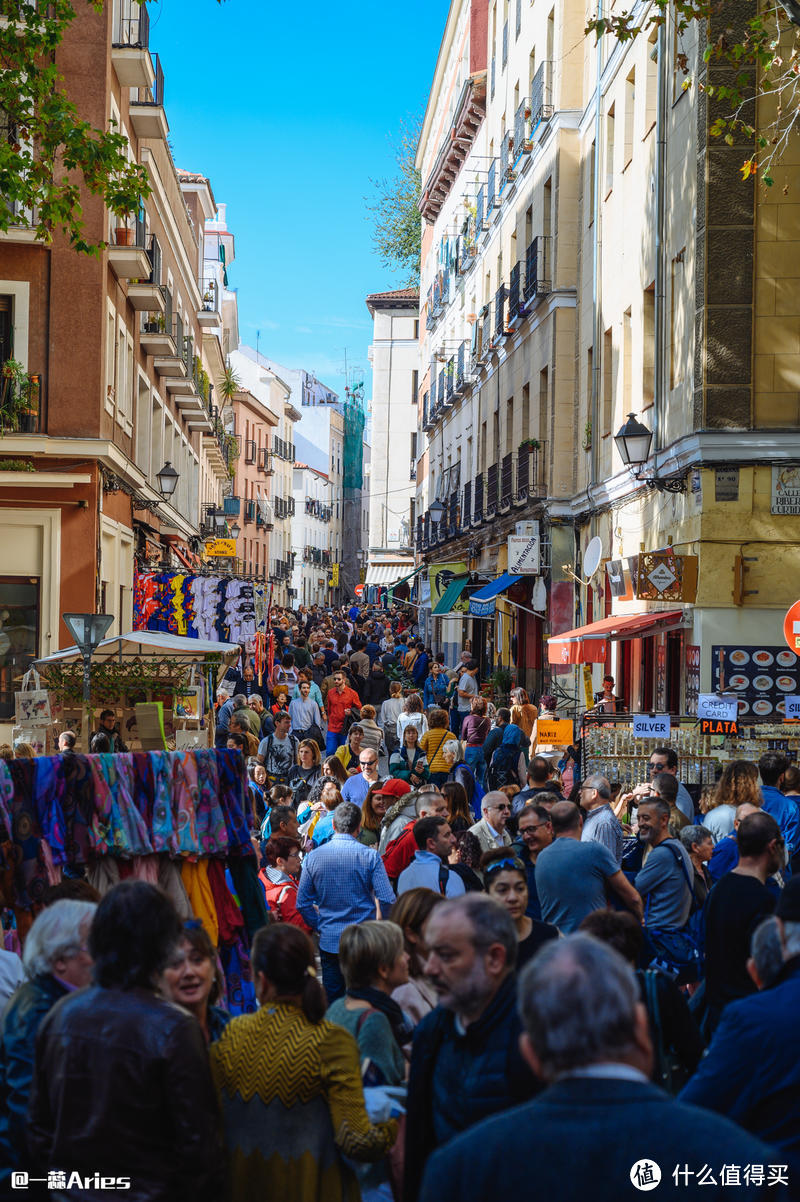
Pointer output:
x,y
56,960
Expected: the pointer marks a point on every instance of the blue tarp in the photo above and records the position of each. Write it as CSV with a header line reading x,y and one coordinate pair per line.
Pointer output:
x,y
482,603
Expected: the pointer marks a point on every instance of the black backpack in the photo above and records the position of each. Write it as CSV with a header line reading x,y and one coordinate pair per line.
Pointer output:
x,y
503,767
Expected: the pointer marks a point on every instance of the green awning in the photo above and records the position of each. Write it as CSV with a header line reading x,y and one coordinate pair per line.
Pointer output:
x,y
404,579
450,595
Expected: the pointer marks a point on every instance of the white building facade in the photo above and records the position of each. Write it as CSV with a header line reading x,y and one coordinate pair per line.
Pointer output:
x,y
394,355
311,536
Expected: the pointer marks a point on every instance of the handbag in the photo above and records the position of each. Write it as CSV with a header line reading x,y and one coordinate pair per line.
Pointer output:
x,y
32,702
675,951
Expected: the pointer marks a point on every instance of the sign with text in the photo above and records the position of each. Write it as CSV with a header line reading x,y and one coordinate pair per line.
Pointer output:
x,y
718,726
719,706
785,491
651,726
792,709
523,554
558,732
791,627
221,548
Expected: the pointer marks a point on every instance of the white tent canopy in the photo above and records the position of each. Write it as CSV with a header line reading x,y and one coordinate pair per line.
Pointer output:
x,y
150,643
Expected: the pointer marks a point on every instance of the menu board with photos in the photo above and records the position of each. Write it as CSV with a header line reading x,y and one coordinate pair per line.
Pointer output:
x,y
692,652
761,677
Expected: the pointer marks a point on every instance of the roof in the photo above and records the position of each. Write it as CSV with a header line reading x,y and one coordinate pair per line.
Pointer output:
x,y
400,298
306,467
151,642
191,177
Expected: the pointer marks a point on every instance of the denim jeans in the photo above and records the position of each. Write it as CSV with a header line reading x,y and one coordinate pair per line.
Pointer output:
x,y
477,761
332,977
333,741
456,718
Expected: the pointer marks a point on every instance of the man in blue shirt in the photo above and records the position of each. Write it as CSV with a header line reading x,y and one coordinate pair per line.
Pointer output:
x,y
356,788
339,885
429,868
772,767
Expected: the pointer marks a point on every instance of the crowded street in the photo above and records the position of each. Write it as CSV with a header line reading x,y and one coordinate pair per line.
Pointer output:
x,y
399,601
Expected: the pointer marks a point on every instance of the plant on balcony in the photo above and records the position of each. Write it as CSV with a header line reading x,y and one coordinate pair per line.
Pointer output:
x,y
530,444
587,436
155,323
16,465
15,392
229,384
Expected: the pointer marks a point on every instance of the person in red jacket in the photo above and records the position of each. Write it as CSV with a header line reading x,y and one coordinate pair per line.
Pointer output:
x,y
401,851
340,699
279,878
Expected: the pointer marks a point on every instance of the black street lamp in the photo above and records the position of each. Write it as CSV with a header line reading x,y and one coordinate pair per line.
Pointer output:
x,y
167,480
236,530
436,510
633,443
88,630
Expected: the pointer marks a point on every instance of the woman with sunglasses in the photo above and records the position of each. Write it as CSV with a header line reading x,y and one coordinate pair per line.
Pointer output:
x,y
507,882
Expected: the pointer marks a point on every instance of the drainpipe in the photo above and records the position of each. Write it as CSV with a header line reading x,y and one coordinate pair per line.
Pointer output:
x,y
660,313
596,248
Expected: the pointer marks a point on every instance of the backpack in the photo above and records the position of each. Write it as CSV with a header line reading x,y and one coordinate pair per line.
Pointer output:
x,y
503,767
678,952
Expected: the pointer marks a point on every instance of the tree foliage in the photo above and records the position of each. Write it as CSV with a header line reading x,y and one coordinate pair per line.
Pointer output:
x,y
396,219
49,155
758,60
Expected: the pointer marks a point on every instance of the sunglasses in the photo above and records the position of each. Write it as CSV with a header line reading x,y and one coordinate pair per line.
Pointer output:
x,y
657,767
367,763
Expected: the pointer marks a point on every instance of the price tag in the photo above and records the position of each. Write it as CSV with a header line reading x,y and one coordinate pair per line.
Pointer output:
x,y
792,708
651,726
718,726
721,706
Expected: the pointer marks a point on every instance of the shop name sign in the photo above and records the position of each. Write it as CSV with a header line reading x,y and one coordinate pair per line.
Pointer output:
x,y
222,548
792,709
718,726
651,726
555,731
523,554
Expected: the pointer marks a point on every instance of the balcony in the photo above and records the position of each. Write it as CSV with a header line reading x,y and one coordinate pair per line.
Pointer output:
x,y
127,254
265,517
249,511
506,482
412,472
530,474
147,107
523,143
477,500
209,315
172,364
147,295
129,47
157,330
466,507
537,271
186,381
541,97
499,314
492,483
507,172
21,405
231,506
492,199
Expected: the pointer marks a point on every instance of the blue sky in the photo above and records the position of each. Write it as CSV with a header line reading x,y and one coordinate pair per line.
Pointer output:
x,y
289,109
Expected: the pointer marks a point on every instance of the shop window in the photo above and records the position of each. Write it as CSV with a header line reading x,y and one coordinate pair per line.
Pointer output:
x,y
19,635
6,328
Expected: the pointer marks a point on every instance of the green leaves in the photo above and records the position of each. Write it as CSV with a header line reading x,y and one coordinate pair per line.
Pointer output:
x,y
396,219
48,154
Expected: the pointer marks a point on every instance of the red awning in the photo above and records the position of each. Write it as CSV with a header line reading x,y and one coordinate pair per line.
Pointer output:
x,y
188,560
588,644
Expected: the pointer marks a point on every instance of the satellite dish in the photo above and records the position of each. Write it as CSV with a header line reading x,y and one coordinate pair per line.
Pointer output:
x,y
592,557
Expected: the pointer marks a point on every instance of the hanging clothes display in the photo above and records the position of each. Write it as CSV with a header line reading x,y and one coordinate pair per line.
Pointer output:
x,y
173,818
218,609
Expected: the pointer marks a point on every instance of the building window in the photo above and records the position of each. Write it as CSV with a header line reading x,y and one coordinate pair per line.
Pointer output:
x,y
648,344
610,149
630,110
414,386
19,639
608,381
6,328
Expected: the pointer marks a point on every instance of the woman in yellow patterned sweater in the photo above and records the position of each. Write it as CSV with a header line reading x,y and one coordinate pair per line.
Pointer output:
x,y
289,1084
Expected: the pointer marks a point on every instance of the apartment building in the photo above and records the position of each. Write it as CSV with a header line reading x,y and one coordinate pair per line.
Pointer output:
x,y
274,394
313,558
394,354
591,252
118,375
499,156
251,505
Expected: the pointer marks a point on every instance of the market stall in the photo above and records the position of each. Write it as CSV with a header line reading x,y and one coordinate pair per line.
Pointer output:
x,y
160,686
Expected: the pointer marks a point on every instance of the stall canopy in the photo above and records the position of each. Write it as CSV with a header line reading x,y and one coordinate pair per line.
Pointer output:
x,y
450,595
150,642
385,573
588,644
482,603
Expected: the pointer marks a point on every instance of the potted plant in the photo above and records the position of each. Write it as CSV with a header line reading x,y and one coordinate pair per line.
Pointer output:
x,y
529,444
587,436
15,386
123,234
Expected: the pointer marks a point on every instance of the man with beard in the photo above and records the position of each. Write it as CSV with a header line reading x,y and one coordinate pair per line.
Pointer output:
x,y
466,1063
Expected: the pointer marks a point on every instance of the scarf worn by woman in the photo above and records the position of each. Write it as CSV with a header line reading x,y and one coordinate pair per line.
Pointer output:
x,y
402,1029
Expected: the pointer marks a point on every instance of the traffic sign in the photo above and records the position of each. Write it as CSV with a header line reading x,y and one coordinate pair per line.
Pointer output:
x,y
791,628
359,590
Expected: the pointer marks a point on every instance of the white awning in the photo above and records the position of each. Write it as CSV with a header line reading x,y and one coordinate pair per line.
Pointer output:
x,y
151,642
388,573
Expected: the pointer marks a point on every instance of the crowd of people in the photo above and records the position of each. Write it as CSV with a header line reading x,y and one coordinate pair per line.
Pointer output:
x,y
477,965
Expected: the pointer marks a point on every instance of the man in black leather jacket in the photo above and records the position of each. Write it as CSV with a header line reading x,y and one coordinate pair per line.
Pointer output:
x,y
122,1085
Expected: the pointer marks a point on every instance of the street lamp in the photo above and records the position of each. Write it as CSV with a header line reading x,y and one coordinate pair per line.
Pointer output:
x,y
633,443
88,630
436,510
236,530
167,480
